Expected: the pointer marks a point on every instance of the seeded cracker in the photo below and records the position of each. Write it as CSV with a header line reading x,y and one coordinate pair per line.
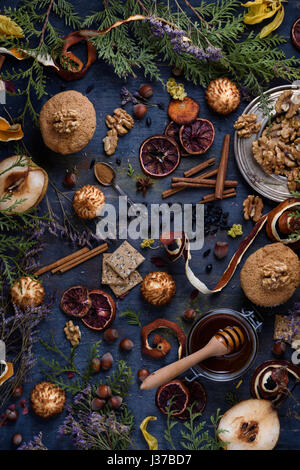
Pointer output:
x,y
134,279
125,260
109,276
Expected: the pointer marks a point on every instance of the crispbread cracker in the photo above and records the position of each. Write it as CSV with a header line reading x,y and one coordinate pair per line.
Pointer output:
x,y
134,279
109,276
125,260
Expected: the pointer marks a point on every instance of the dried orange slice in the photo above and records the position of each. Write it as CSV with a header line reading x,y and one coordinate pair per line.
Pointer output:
x,y
183,111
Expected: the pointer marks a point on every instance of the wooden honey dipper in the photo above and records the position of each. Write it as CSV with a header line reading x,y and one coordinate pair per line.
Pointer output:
x,y
223,342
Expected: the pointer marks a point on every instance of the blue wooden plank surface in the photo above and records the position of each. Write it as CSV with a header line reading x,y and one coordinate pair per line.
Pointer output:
x,y
105,96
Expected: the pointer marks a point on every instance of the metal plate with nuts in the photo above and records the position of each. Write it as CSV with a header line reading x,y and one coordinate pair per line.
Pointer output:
x,y
273,187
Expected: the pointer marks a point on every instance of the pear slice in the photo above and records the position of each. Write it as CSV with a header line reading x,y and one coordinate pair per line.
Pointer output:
x,y
250,425
23,184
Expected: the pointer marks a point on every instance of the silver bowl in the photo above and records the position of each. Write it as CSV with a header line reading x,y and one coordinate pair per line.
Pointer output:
x,y
273,187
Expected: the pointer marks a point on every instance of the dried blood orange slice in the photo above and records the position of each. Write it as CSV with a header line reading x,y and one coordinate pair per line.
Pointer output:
x,y
159,156
76,301
102,311
172,130
174,396
197,137
183,111
197,398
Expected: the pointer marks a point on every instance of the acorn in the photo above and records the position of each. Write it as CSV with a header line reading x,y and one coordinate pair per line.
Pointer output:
x,y
115,402
111,334
221,250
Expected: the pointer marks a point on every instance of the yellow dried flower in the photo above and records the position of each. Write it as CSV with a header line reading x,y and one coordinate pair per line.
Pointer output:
x,y
235,230
147,242
176,90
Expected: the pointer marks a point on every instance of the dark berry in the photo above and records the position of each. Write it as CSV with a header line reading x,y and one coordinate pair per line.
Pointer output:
x,y
206,253
208,268
148,121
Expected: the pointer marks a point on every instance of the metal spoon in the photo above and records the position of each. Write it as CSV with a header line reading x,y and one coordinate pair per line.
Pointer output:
x,y
112,181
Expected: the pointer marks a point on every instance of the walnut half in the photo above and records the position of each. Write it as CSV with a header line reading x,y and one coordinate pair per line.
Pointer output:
x,y
246,125
274,275
72,333
119,124
253,206
66,121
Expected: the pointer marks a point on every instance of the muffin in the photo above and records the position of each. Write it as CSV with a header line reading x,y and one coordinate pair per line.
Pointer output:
x,y
67,122
271,275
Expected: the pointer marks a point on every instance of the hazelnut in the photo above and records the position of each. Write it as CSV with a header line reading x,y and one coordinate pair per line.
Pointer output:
x,y
139,110
103,391
96,364
189,315
111,334
70,179
143,374
115,402
146,91
221,250
17,439
126,344
97,404
107,361
279,349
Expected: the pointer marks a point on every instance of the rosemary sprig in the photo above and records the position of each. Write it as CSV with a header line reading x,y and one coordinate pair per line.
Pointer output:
x,y
133,317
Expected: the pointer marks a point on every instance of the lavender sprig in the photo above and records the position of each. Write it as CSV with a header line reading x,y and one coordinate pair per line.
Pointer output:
x,y
35,444
18,330
95,430
181,43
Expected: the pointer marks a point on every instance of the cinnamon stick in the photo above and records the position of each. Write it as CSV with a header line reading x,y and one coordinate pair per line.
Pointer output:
x,y
61,261
204,184
81,259
171,191
211,197
221,176
199,167
204,180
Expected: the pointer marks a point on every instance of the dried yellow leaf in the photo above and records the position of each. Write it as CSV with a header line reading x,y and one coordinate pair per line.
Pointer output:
x,y
151,440
274,24
9,28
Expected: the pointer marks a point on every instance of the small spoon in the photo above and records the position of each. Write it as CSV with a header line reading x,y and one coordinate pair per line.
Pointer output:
x,y
223,342
111,181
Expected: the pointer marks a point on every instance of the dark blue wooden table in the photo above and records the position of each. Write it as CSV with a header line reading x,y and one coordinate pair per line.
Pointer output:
x,y
105,95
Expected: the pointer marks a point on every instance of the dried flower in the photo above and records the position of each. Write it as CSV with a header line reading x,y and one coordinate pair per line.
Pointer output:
x,y
181,43
235,231
35,444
